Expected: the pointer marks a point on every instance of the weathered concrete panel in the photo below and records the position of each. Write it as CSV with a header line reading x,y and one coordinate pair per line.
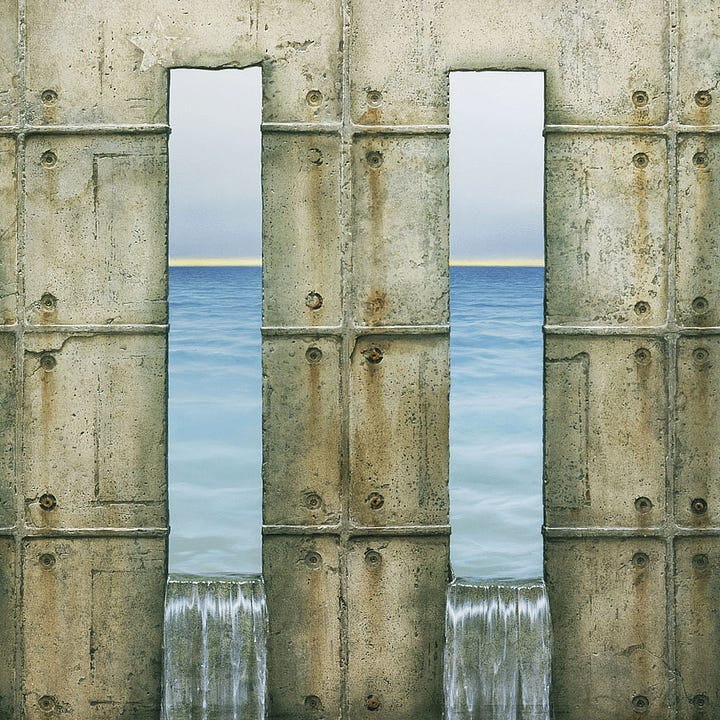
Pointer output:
x,y
606,210
396,627
304,652
399,431
95,430
83,604
697,587
302,444
697,495
8,68
8,418
96,247
608,611
698,249
8,231
619,385
8,645
301,230
400,230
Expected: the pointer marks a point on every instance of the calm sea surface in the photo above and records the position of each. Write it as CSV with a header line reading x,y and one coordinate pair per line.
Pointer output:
x,y
495,421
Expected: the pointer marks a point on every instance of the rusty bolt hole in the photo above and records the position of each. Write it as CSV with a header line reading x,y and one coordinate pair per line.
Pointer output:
x,y
642,356
701,355
373,558
47,502
640,98
700,702
314,300
312,703
312,501
373,355
372,702
314,98
699,506
640,560
374,158
313,355
703,98
48,96
643,505
375,500
47,561
701,562
700,305
641,160
640,704
313,560
701,159
47,361
374,98
48,159
47,703
642,308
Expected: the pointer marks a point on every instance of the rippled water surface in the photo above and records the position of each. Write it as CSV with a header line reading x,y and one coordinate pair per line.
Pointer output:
x,y
495,430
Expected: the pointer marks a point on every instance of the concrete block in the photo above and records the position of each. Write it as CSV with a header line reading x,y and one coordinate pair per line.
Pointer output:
x,y
399,431
8,644
305,666
301,230
605,431
8,66
698,252
302,449
606,210
400,230
8,418
396,612
95,431
96,249
607,599
8,231
697,585
697,497
92,619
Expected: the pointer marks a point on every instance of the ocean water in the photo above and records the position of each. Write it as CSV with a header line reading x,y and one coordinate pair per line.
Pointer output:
x,y
495,422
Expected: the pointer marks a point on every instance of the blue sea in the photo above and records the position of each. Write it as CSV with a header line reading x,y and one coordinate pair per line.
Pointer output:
x,y
495,421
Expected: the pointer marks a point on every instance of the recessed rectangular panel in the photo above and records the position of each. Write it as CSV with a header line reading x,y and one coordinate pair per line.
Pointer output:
x,y
302,440
607,600
96,248
401,232
95,433
302,582
301,230
93,617
8,51
399,431
8,230
396,617
8,644
697,470
623,445
697,588
698,249
606,212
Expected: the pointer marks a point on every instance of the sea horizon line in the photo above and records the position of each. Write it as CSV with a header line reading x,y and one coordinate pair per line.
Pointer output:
x,y
257,262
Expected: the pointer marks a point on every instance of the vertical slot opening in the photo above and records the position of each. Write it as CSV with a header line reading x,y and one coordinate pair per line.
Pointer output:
x,y
214,410
496,298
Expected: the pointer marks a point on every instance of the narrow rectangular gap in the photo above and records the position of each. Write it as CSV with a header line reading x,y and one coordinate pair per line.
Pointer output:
x,y
496,298
214,408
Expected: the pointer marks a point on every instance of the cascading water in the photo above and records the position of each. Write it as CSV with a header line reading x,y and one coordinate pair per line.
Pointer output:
x,y
497,657
215,631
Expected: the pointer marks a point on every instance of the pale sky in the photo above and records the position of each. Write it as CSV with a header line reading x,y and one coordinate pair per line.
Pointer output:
x,y
496,164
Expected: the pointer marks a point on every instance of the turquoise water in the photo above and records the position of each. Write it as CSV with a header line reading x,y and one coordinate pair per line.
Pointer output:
x,y
495,427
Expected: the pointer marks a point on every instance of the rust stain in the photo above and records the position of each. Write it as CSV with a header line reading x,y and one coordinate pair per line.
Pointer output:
x,y
372,116
375,304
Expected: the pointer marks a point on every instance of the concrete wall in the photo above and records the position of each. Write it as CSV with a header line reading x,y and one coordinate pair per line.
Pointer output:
x,y
356,344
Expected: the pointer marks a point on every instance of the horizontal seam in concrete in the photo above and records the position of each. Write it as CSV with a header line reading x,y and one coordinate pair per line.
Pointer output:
x,y
602,330
104,129
357,331
357,531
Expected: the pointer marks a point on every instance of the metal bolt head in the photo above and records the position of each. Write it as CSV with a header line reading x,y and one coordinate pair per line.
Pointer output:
x,y
699,506
374,159
48,362
314,300
48,303
312,559
372,702
640,704
312,501
314,98
640,560
48,96
375,500
374,98
48,159
642,307
643,505
640,99
47,502
47,561
641,160
700,305
373,355
642,356
703,98
313,355
701,159
373,558
701,562
701,355
47,703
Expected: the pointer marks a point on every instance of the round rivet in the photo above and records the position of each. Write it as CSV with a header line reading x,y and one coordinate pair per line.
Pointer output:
x,y
315,156
372,702
373,355
373,558
375,500
703,98
700,702
47,703
700,159
374,98
47,502
313,560
312,501
314,300
374,158
48,96
48,159
642,307
700,305
314,98
699,506
642,356
312,703
700,562
313,355
640,160
47,561
48,302
640,704
640,98
643,505
47,361
640,560
700,355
